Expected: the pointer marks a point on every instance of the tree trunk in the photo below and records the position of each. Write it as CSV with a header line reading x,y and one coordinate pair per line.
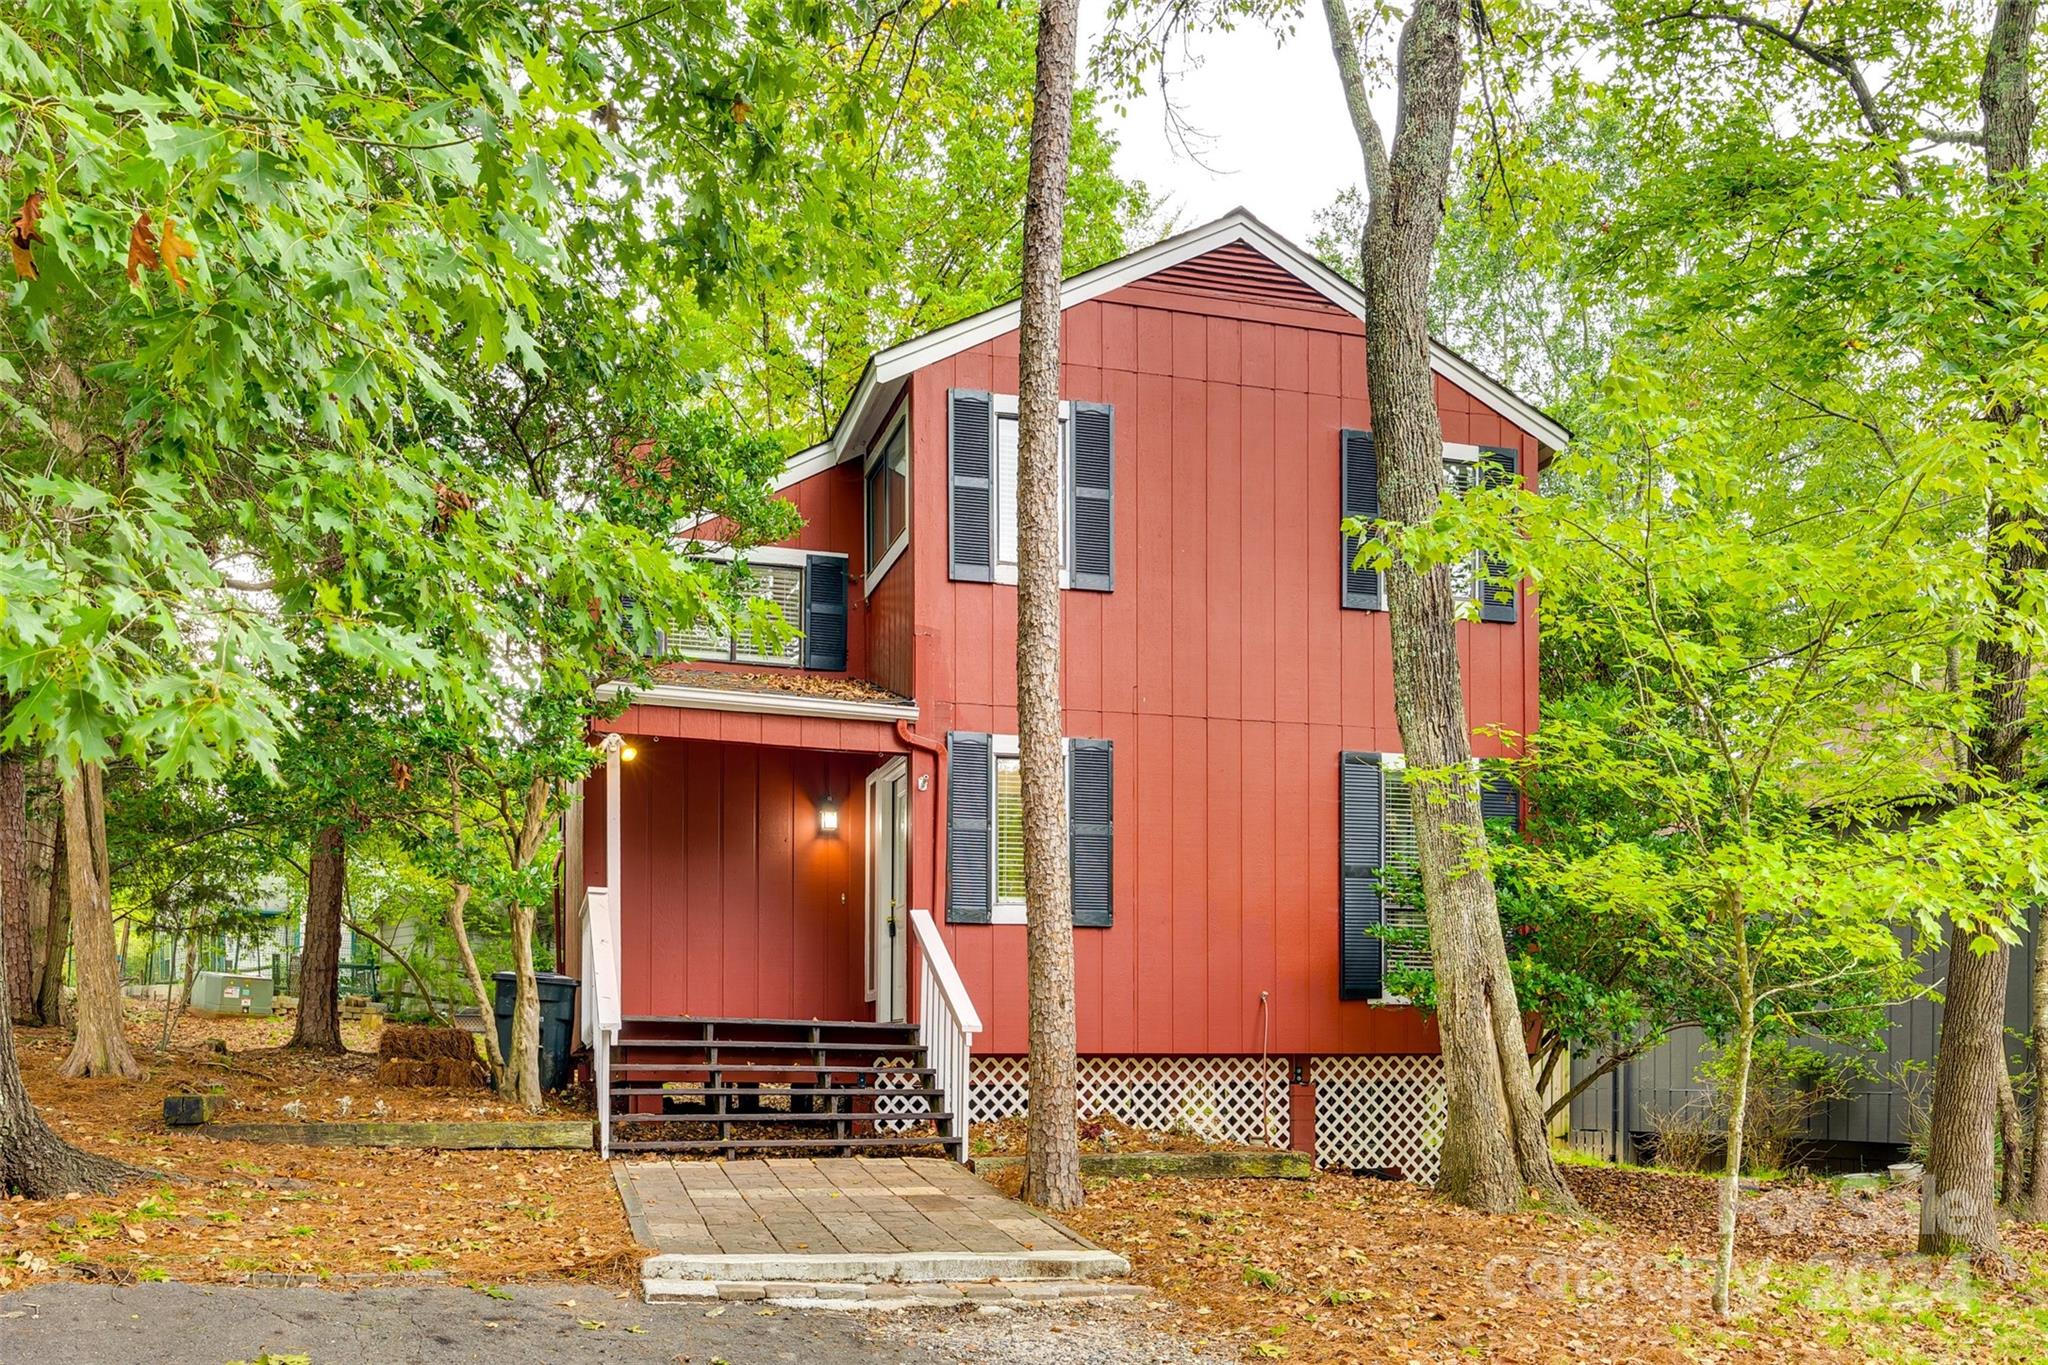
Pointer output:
x,y
319,1024
99,1047
2012,1144
519,1080
1731,1183
2036,1204
57,937
458,925
1052,1165
14,883
1496,1143
1958,1207
44,868
34,1162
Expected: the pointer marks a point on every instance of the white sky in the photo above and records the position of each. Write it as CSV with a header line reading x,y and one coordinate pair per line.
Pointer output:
x,y
1279,140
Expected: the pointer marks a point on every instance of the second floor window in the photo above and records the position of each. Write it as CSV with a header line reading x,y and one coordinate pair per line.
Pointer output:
x,y
888,498
1006,489
746,642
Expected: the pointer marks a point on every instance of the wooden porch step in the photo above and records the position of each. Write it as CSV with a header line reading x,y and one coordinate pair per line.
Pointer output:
x,y
720,1021
767,1069
765,1045
702,1092
760,1117
816,1144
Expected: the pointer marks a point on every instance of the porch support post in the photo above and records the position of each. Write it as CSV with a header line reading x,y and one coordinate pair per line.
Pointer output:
x,y
613,743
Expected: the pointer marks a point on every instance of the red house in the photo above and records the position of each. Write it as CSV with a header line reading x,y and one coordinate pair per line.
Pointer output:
x,y
802,873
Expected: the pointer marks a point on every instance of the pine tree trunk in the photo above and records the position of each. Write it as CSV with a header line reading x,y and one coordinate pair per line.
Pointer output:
x,y
14,884
1958,1207
99,1046
1052,1166
57,938
1496,1142
319,1024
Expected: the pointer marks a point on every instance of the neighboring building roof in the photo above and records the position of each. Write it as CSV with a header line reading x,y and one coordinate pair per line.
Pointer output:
x,y
887,370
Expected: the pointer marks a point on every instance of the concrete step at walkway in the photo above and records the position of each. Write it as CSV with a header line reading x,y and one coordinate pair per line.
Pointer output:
x,y
850,1220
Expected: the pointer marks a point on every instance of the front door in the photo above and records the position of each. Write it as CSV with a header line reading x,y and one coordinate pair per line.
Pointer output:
x,y
888,862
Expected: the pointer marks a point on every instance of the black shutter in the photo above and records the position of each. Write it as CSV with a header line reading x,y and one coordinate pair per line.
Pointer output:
x,y
970,479
970,818
1497,583
1361,466
1093,497
1091,840
1361,850
825,612
1498,798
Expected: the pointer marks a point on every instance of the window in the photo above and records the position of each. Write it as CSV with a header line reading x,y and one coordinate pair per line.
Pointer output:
x,y
1006,490
1461,475
888,500
1009,837
759,584
1402,865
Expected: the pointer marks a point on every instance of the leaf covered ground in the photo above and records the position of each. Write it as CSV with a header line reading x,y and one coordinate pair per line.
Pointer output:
x,y
230,1209
1343,1269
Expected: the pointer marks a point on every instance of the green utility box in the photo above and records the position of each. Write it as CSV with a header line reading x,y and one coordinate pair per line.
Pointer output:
x,y
231,993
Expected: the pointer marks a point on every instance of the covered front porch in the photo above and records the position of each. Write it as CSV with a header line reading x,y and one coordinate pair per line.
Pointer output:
x,y
745,905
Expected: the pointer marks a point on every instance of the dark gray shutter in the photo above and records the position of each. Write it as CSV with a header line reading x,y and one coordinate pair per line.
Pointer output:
x,y
824,612
1361,465
970,481
1361,850
1497,583
1498,798
970,818
1091,840
1093,497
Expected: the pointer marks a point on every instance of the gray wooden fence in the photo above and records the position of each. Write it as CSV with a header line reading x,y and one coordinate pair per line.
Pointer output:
x,y
1613,1116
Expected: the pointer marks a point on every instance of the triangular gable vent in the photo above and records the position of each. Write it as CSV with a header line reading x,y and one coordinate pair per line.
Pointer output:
x,y
1240,272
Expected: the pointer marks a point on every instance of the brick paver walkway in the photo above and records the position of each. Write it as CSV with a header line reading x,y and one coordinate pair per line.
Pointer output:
x,y
833,1207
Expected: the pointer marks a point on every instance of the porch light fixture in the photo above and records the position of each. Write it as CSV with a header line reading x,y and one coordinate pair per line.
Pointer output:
x,y
627,753
828,815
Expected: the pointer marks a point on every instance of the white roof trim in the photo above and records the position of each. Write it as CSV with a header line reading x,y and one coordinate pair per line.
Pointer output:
x,y
889,367
760,703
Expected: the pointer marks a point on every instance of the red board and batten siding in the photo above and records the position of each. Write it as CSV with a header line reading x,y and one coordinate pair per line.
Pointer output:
x,y
1222,667
733,903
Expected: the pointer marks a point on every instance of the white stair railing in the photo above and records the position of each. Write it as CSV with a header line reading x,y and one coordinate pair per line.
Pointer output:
x,y
600,1013
946,1025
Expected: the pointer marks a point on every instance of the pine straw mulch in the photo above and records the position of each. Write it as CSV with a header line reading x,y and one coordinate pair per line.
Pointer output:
x,y
1343,1269
1103,1133
243,1208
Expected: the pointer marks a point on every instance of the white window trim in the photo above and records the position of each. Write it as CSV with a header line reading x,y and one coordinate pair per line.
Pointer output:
x,y
1005,405
875,575
1001,747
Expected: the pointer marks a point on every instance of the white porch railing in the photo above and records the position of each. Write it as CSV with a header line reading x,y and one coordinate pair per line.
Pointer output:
x,y
946,1025
600,1013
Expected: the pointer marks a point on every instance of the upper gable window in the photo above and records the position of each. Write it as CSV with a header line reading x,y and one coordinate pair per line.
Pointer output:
x,y
888,500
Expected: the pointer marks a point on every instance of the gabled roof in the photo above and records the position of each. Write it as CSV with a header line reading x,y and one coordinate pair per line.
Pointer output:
x,y
887,370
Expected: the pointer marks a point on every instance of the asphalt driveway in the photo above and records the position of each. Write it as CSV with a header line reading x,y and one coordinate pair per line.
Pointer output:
x,y
179,1324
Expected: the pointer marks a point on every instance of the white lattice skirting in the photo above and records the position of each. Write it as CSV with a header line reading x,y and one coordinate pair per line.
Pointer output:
x,y
1222,1099
1381,1112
